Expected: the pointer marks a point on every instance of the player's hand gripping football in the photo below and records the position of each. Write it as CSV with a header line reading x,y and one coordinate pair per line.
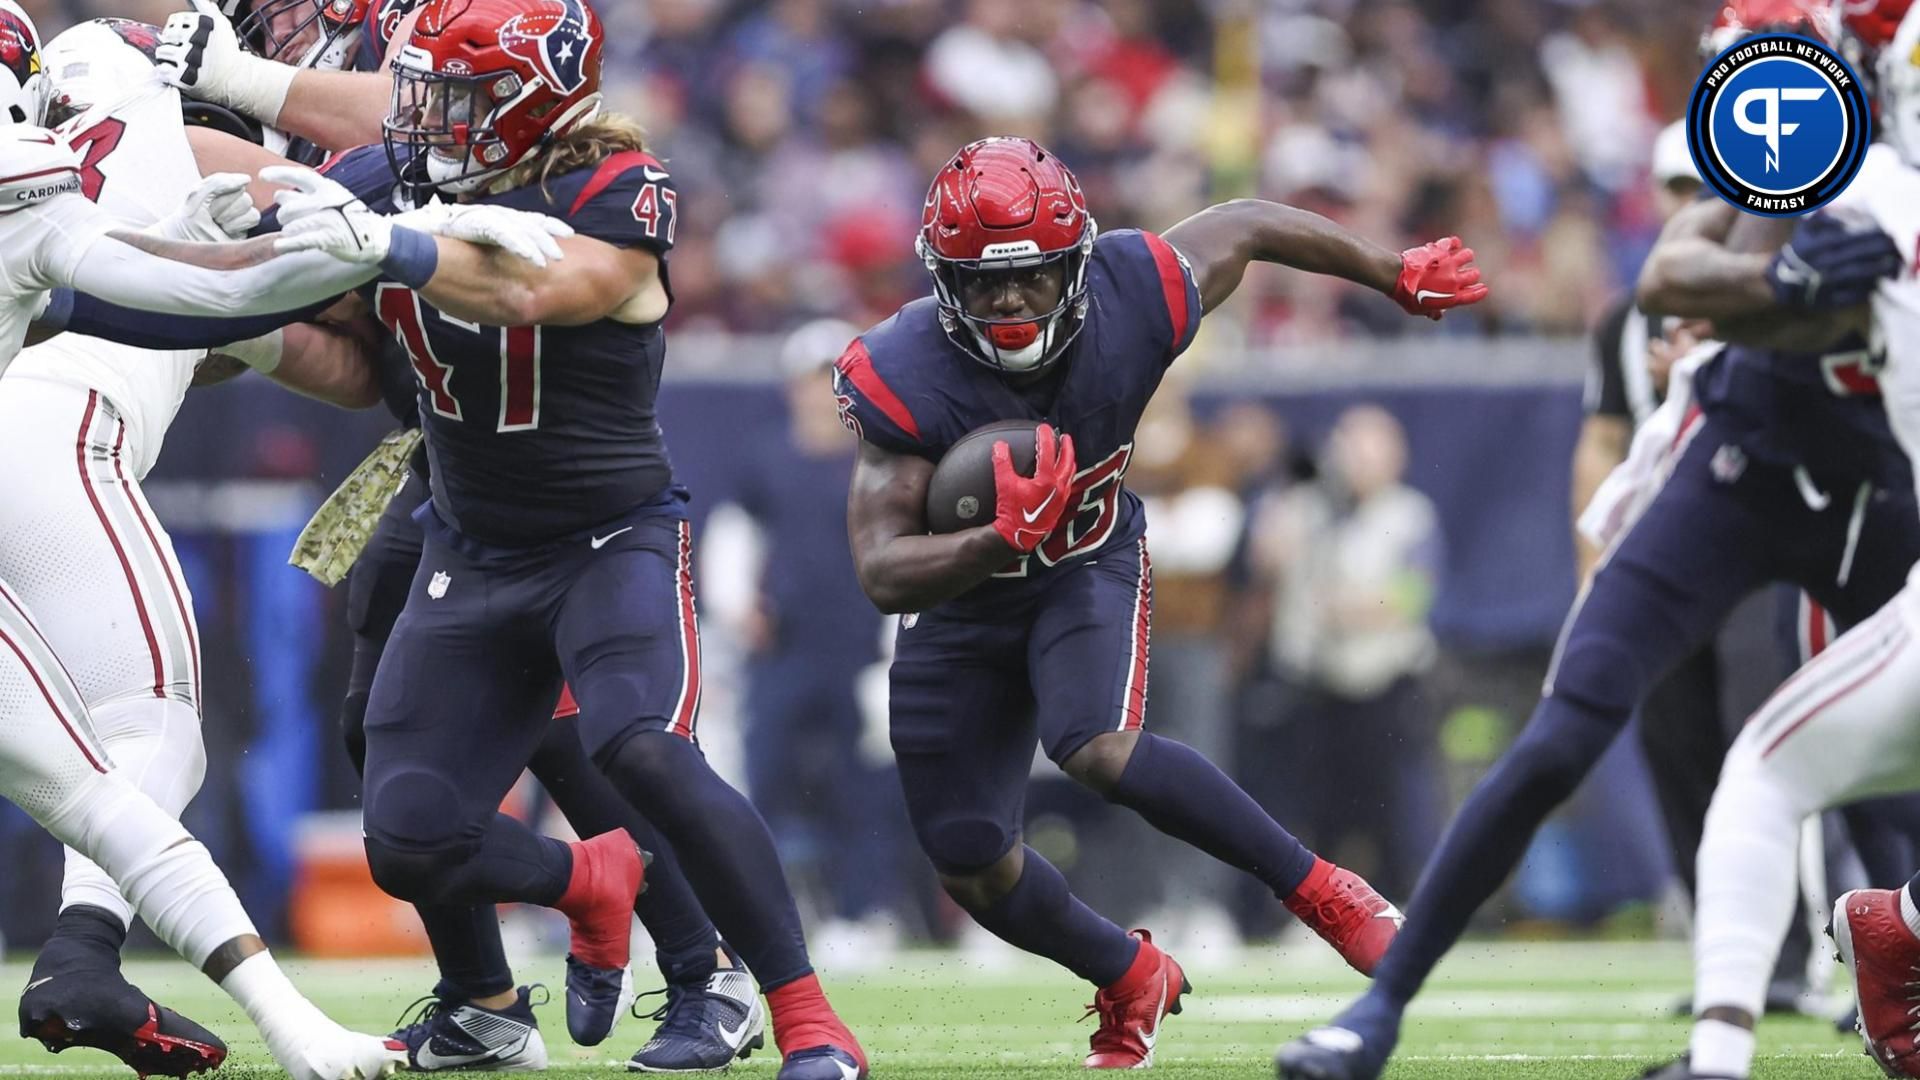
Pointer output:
x,y
218,209
1834,260
1026,508
1438,276
200,53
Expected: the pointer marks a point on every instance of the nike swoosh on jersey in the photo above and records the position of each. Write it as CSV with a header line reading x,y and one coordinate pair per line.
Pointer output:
x,y
601,541
1422,294
652,174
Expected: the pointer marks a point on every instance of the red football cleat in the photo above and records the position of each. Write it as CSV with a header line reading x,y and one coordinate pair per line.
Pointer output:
x,y
1885,959
1344,910
608,873
1130,1010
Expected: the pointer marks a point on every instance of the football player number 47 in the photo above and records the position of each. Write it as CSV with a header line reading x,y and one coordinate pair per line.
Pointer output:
x,y
399,309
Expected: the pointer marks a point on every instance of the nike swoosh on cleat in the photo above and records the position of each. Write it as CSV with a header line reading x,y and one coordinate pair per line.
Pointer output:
x,y
427,1060
1422,294
1033,515
601,541
37,982
1151,1037
732,1036
847,1072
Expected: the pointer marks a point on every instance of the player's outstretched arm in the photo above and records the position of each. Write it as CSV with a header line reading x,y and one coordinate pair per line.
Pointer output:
x,y
1221,240
901,568
181,278
200,53
595,280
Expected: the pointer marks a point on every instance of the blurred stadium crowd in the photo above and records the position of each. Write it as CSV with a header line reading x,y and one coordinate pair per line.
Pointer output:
x,y
1302,548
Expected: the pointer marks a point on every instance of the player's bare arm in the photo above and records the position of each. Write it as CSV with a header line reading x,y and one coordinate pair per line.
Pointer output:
x,y
596,280
201,53
902,568
1220,241
1692,272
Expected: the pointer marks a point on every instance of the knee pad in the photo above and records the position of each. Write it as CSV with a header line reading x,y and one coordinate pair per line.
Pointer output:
x,y
414,876
416,810
965,845
155,743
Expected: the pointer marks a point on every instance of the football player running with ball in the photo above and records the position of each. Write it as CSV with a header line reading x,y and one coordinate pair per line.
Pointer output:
x,y
1035,625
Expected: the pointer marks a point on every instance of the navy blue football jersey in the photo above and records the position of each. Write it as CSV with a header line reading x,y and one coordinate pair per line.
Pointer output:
x,y
904,386
537,432
1822,412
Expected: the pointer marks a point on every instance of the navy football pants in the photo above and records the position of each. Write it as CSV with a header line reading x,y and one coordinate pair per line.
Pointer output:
x,y
1722,527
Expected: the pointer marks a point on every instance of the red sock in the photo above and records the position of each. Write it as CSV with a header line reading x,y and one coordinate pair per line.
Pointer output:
x,y
597,939
803,1019
1146,962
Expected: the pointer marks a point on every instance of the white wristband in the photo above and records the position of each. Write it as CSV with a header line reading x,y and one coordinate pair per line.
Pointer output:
x,y
262,354
258,87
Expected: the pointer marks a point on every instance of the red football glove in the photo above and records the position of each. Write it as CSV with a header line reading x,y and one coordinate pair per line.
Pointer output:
x,y
1028,507
1437,276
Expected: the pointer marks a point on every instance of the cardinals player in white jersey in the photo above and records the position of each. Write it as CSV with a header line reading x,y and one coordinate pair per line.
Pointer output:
x,y
1847,726
81,422
51,762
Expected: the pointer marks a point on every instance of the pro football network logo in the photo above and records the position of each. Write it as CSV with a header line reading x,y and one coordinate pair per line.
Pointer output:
x,y
1778,125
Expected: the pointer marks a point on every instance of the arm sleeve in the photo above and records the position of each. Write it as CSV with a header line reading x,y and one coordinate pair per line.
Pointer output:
x,y
1606,391
95,317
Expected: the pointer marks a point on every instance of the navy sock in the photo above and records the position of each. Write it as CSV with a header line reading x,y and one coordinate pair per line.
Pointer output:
x,y
466,944
1040,916
725,849
85,938
674,919
1187,797
1538,773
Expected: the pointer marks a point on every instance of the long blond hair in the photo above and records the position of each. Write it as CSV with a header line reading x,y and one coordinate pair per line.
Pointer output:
x,y
589,142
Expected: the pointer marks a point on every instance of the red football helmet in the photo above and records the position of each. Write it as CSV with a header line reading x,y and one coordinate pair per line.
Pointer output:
x,y
484,84
1740,19
1863,28
1006,204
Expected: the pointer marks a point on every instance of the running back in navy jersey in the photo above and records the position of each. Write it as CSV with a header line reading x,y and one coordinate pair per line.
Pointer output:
x,y
537,432
907,388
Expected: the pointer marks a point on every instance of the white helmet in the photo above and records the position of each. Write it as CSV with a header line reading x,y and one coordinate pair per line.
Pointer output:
x,y
24,87
1899,79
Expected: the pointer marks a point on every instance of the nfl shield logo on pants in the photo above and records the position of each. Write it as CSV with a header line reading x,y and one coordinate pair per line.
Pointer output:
x,y
437,587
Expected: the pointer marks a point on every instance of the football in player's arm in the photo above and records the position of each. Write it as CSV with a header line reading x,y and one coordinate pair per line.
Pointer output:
x,y
902,568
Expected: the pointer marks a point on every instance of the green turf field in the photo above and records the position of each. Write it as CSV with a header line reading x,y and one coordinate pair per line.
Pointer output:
x,y
1567,1012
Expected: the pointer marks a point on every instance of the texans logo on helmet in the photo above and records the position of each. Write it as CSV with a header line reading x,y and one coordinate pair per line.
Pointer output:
x,y
16,48
555,40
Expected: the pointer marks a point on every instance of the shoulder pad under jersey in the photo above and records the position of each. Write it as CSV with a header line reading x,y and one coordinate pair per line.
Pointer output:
x,y
35,165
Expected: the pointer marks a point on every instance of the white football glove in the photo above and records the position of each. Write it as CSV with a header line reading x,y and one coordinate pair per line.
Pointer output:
x,y
317,214
517,232
200,53
218,210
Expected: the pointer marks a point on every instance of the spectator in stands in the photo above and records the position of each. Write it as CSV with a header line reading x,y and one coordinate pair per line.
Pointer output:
x,y
1354,557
